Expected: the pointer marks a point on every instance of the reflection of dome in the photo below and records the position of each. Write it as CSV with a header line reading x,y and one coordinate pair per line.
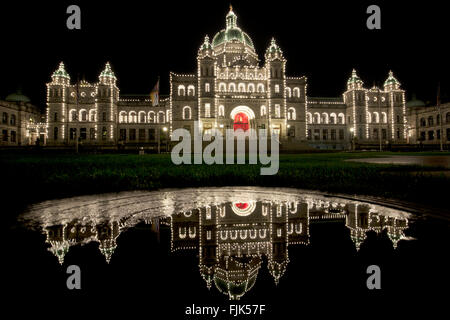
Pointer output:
x,y
232,33
236,276
17,97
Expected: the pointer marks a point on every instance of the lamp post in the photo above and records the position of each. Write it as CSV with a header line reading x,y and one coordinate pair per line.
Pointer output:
x,y
352,141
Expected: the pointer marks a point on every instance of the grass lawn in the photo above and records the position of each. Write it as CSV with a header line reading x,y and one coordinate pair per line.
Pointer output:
x,y
36,177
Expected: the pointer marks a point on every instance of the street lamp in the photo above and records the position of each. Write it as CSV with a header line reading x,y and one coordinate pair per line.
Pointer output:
x,y
352,141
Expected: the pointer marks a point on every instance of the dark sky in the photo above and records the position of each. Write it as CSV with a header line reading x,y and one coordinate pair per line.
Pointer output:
x,y
323,40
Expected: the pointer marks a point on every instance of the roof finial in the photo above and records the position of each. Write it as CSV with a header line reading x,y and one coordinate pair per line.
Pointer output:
x,y
231,7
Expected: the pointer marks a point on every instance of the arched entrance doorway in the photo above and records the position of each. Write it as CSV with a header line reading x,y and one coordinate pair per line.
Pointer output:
x,y
242,117
240,121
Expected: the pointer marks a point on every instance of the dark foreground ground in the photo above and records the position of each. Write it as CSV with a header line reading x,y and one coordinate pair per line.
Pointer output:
x,y
34,177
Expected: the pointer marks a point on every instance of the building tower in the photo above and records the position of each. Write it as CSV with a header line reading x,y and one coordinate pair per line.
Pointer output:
x,y
206,74
57,114
107,96
275,64
355,99
397,109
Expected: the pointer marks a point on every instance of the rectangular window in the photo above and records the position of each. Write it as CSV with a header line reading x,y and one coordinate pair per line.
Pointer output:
x,y
207,110
72,133
422,135
104,133
277,88
141,134
291,132
309,134
207,89
448,134
104,116
333,134
277,111
13,136
430,135
92,133
83,133
325,134
5,118
438,134
132,134
55,117
5,135
151,134
55,133
375,133
383,134
13,120
123,134
341,134
316,134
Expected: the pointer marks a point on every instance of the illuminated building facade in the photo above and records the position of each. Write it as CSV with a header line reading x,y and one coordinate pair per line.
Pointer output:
x,y
22,123
230,89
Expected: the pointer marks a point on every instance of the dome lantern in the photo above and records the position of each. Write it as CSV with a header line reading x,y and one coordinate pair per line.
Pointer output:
x,y
354,82
61,75
391,82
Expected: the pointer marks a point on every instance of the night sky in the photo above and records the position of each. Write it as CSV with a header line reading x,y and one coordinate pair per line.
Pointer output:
x,y
323,40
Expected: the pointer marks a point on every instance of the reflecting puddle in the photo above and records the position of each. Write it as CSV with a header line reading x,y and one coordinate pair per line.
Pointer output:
x,y
234,234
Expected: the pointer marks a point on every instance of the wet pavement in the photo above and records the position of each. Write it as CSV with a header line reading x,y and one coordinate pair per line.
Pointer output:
x,y
435,161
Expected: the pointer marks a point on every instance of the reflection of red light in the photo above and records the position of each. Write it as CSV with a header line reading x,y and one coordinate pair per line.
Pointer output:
x,y
242,205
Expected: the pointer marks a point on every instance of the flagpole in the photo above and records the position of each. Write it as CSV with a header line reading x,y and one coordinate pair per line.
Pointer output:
x,y
438,102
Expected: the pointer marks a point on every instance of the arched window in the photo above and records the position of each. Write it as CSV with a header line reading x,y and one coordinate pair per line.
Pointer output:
x,y
191,90
181,90
161,117
251,87
122,117
324,118
187,112
423,123
260,88
241,87
316,117
232,87
384,116
333,118
308,117
341,118
376,117
447,117
73,116
151,118
291,114
277,111
207,87
83,115
369,117
221,111
141,116
430,120
277,88
132,117
222,87
296,92
263,111
92,115
287,90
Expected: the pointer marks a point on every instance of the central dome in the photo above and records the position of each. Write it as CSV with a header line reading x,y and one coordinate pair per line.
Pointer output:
x,y
232,33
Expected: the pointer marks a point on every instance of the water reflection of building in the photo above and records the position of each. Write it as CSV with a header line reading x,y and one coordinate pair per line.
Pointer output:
x,y
235,239
62,237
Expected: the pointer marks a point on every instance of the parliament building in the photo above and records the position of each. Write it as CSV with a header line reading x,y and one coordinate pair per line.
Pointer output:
x,y
232,89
